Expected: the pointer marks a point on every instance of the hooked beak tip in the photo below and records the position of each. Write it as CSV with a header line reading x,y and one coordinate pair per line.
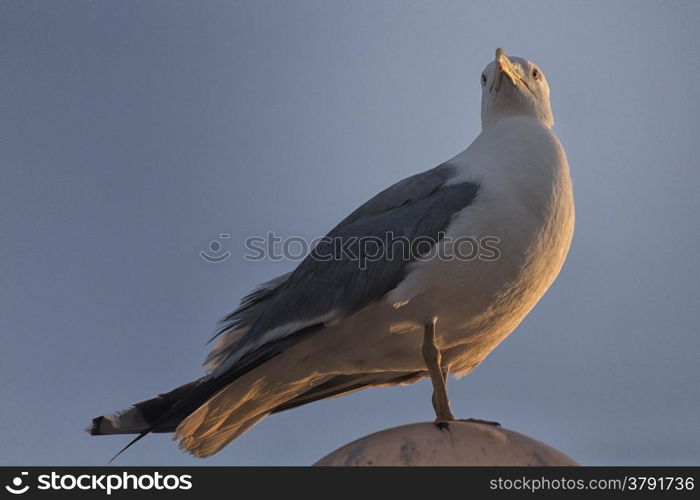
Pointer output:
x,y
503,67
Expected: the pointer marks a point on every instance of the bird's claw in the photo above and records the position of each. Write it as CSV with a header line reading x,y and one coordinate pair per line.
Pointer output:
x,y
442,425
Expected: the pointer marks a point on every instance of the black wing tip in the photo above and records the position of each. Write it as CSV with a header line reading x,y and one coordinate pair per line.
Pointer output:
x,y
94,428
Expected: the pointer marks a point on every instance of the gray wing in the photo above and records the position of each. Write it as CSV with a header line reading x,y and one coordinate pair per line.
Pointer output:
x,y
237,323
325,289
413,188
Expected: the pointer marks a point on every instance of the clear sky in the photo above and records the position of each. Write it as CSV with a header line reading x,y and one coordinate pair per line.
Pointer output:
x,y
133,133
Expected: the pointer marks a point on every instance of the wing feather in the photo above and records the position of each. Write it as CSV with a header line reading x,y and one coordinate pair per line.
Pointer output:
x,y
323,290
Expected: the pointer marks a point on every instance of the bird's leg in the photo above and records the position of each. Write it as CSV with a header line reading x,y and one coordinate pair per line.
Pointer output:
x,y
432,357
445,373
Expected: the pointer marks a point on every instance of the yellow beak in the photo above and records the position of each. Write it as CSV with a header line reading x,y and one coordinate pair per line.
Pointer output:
x,y
504,67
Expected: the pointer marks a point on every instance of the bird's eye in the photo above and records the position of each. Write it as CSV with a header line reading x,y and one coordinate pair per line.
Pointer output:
x,y
535,74
483,79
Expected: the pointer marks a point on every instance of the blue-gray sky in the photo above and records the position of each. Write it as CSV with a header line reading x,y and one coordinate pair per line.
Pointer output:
x,y
133,133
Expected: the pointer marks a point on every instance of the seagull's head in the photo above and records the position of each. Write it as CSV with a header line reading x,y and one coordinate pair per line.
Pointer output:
x,y
513,86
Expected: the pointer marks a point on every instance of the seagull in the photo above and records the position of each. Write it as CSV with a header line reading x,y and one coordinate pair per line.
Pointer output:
x,y
483,236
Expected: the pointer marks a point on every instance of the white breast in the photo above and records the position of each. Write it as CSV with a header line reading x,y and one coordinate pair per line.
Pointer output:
x,y
525,200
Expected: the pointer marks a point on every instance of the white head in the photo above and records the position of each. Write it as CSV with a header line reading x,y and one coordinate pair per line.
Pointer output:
x,y
514,87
